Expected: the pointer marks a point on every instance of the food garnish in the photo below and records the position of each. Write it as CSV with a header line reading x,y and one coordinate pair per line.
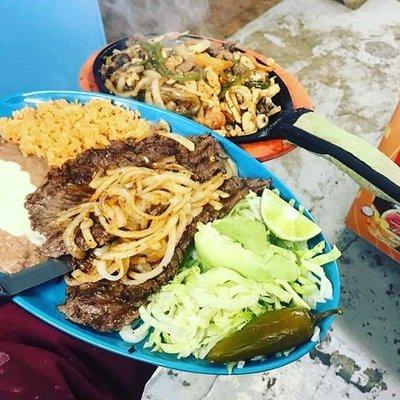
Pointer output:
x,y
270,333
228,280
284,220
157,61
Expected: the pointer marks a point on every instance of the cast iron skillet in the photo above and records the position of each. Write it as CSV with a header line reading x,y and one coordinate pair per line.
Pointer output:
x,y
361,161
282,98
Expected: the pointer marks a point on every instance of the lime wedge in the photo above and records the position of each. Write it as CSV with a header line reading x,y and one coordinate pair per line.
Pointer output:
x,y
285,221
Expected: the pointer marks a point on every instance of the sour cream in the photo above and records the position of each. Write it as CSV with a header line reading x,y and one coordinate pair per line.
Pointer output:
x,y
15,185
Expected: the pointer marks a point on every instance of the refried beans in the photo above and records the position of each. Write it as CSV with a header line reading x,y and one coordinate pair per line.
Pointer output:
x,y
17,253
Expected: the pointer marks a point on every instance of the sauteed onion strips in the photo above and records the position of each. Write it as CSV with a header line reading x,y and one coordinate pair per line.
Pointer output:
x,y
146,211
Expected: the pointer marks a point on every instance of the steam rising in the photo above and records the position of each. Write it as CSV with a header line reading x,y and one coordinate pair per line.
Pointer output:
x,y
125,17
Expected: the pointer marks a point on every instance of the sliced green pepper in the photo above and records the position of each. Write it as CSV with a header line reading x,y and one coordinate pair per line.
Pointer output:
x,y
229,85
233,81
269,333
157,61
258,84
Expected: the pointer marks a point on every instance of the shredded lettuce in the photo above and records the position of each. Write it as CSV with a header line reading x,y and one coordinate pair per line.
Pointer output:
x,y
326,258
197,309
248,207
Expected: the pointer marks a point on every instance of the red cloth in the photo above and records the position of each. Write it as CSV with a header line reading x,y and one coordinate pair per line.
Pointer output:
x,y
38,362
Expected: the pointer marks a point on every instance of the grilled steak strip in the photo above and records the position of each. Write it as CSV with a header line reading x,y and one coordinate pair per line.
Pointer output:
x,y
108,306
67,186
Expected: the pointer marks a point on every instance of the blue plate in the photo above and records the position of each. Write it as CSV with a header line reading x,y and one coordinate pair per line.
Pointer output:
x,y
43,300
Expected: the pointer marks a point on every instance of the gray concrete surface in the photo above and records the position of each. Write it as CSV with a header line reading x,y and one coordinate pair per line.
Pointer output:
x,y
349,61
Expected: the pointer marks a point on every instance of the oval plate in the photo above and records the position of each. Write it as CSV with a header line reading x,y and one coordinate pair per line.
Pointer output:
x,y
42,301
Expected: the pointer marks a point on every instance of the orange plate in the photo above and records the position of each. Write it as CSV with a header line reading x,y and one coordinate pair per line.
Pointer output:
x,y
263,150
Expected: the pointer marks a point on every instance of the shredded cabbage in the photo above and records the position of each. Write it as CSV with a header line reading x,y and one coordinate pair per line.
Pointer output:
x,y
200,306
248,207
197,309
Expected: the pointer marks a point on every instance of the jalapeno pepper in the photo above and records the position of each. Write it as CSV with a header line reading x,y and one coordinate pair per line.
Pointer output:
x,y
269,333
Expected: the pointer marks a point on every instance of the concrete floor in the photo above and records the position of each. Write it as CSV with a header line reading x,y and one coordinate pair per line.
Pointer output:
x,y
349,61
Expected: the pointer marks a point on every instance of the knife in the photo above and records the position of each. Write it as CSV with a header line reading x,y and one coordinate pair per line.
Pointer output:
x,y
11,284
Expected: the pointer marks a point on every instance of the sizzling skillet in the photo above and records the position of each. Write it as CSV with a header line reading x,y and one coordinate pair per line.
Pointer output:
x,y
301,126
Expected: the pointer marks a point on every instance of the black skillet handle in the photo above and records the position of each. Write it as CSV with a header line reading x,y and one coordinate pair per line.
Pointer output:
x,y
364,163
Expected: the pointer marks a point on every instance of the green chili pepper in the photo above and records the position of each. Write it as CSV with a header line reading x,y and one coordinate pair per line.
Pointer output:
x,y
258,84
155,57
193,76
229,85
269,333
234,80
157,61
